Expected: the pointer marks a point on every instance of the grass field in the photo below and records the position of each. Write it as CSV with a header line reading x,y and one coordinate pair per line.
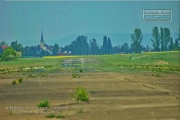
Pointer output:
x,y
143,88
105,62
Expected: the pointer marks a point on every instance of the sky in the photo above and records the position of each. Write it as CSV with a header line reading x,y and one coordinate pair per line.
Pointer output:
x,y
24,20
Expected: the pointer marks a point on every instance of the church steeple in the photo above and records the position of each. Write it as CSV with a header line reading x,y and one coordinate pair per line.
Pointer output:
x,y
42,39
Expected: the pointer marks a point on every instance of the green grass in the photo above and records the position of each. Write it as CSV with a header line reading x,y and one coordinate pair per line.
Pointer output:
x,y
155,61
28,62
140,59
152,61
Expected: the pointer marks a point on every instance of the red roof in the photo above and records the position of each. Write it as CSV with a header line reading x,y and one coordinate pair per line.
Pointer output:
x,y
4,47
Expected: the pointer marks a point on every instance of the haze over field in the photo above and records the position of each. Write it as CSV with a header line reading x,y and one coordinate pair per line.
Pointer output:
x,y
62,22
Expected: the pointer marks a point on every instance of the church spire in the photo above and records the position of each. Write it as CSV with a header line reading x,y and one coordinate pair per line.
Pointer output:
x,y
42,39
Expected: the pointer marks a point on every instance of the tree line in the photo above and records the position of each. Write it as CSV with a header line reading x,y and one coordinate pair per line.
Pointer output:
x,y
161,41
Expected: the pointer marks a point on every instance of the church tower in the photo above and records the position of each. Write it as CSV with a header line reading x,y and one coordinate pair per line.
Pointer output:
x,y
42,40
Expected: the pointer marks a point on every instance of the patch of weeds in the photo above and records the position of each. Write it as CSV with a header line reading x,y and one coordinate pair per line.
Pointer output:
x,y
23,73
48,66
60,116
31,76
75,75
157,75
81,94
7,70
125,78
11,113
80,111
14,82
81,70
43,103
20,80
54,116
44,74
51,116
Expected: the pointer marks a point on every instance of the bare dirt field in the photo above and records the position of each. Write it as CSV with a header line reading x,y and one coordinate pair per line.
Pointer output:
x,y
113,96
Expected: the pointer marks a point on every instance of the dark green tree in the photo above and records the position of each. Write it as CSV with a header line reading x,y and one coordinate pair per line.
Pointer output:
x,y
125,48
177,42
55,49
80,46
167,38
104,48
136,38
109,45
3,43
94,49
1,50
17,46
9,54
116,49
171,45
162,38
147,48
156,39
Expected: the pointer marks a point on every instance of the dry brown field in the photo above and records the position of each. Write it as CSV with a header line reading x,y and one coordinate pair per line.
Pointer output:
x,y
113,96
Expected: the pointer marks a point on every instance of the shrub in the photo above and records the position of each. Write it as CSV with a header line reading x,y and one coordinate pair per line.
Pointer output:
x,y
75,75
30,75
43,103
80,70
81,94
18,54
9,54
13,82
20,80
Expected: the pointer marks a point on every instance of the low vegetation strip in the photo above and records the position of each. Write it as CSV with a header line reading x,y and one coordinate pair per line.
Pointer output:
x,y
52,57
151,67
21,69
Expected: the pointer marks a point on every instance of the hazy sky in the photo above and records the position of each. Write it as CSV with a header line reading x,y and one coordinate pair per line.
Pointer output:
x,y
24,21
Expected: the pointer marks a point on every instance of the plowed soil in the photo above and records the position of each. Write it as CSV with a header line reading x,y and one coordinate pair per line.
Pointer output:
x,y
113,96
